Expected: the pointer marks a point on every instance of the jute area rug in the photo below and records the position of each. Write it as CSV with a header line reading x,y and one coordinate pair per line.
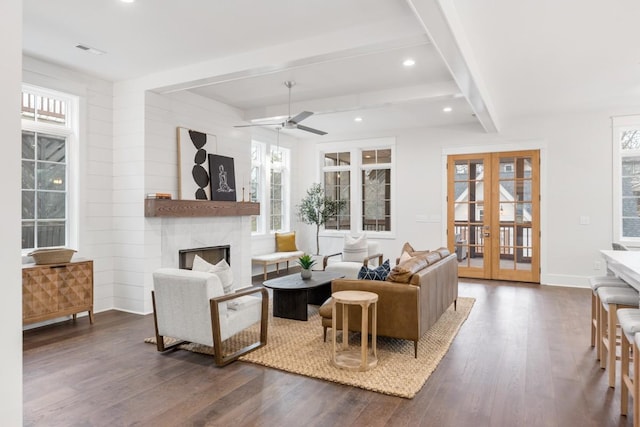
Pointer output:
x,y
298,347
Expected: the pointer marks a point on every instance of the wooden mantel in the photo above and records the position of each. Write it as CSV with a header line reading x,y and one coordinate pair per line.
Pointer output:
x,y
198,208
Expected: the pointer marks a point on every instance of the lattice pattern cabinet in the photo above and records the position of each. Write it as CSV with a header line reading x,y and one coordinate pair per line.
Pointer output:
x,y
56,290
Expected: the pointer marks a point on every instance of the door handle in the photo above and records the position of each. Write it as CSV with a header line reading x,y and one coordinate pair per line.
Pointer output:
x,y
487,234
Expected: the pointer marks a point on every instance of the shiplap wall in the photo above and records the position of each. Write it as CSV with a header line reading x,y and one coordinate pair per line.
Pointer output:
x,y
94,167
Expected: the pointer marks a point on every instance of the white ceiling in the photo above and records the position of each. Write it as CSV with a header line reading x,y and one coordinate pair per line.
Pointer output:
x,y
513,58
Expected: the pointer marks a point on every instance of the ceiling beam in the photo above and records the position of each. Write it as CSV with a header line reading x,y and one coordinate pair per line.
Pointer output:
x,y
374,99
440,21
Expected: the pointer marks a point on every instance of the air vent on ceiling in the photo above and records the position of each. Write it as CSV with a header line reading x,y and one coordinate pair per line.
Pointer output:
x,y
90,49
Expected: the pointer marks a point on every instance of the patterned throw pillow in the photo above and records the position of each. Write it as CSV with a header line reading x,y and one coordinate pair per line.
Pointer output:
x,y
378,273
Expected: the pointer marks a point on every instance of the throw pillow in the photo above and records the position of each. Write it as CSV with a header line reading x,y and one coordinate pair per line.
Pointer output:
x,y
404,257
286,242
354,249
407,248
221,269
378,273
402,272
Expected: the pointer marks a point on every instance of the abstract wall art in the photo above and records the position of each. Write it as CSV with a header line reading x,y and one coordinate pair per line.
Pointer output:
x,y
193,173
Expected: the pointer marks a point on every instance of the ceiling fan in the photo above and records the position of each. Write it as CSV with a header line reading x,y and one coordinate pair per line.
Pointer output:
x,y
291,122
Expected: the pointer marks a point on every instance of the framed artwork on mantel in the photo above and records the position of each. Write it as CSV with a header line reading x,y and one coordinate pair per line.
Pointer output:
x,y
193,171
223,178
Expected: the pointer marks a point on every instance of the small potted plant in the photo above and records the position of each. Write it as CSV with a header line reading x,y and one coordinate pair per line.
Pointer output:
x,y
306,261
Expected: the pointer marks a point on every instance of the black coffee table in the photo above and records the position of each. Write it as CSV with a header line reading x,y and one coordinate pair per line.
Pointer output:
x,y
291,293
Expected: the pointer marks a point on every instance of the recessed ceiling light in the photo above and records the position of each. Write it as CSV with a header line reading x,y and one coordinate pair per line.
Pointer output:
x,y
357,119
409,62
447,109
127,1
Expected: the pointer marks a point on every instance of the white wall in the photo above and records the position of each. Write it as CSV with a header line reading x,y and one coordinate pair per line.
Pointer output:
x,y
95,166
576,181
10,173
146,162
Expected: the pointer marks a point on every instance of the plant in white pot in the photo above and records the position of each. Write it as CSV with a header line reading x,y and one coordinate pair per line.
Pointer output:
x,y
316,209
306,261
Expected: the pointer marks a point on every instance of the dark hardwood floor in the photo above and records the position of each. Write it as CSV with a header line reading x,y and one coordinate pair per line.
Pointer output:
x,y
521,359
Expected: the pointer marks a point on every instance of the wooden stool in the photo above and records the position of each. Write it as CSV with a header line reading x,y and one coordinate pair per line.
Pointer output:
x,y
612,299
629,319
596,282
355,360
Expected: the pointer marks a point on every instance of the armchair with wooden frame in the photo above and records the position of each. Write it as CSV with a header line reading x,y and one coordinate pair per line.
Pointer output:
x,y
191,306
336,262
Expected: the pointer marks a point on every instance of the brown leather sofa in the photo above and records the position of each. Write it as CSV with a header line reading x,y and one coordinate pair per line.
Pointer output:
x,y
409,307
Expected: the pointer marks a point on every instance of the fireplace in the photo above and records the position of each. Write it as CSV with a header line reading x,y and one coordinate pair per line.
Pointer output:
x,y
211,254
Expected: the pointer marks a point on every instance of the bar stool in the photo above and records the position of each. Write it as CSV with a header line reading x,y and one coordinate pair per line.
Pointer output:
x,y
629,319
596,282
612,299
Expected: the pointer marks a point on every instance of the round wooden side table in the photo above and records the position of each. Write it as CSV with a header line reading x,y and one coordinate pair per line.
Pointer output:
x,y
355,359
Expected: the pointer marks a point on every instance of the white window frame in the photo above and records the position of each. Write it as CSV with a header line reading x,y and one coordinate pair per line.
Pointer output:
x,y
619,125
70,132
355,148
261,196
264,187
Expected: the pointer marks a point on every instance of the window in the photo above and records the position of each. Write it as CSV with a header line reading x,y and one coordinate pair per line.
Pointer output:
x,y
270,187
362,177
47,132
376,190
255,190
337,186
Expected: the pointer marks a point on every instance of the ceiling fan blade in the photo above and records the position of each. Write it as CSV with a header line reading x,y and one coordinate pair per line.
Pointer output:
x,y
258,124
300,117
312,130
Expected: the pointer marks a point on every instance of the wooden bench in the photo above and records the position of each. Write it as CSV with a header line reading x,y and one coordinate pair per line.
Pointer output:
x,y
275,258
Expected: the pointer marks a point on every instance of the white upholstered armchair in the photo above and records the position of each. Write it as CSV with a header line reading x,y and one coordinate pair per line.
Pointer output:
x,y
191,306
355,254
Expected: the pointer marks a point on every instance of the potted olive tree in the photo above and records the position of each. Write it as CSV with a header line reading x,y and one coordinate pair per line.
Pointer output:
x,y
316,208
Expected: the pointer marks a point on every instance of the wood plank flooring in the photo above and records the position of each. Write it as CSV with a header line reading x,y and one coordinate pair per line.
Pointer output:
x,y
521,359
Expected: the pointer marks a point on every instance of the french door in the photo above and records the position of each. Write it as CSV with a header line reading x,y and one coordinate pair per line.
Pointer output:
x,y
493,214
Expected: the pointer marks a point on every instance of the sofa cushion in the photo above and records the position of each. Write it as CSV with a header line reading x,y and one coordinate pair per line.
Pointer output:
x,y
286,242
354,249
379,273
402,272
432,257
221,269
444,252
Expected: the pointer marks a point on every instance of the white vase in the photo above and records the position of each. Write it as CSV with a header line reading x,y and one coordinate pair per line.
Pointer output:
x,y
305,273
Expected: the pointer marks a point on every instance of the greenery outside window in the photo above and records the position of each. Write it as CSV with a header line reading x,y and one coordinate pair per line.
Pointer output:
x,y
47,123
